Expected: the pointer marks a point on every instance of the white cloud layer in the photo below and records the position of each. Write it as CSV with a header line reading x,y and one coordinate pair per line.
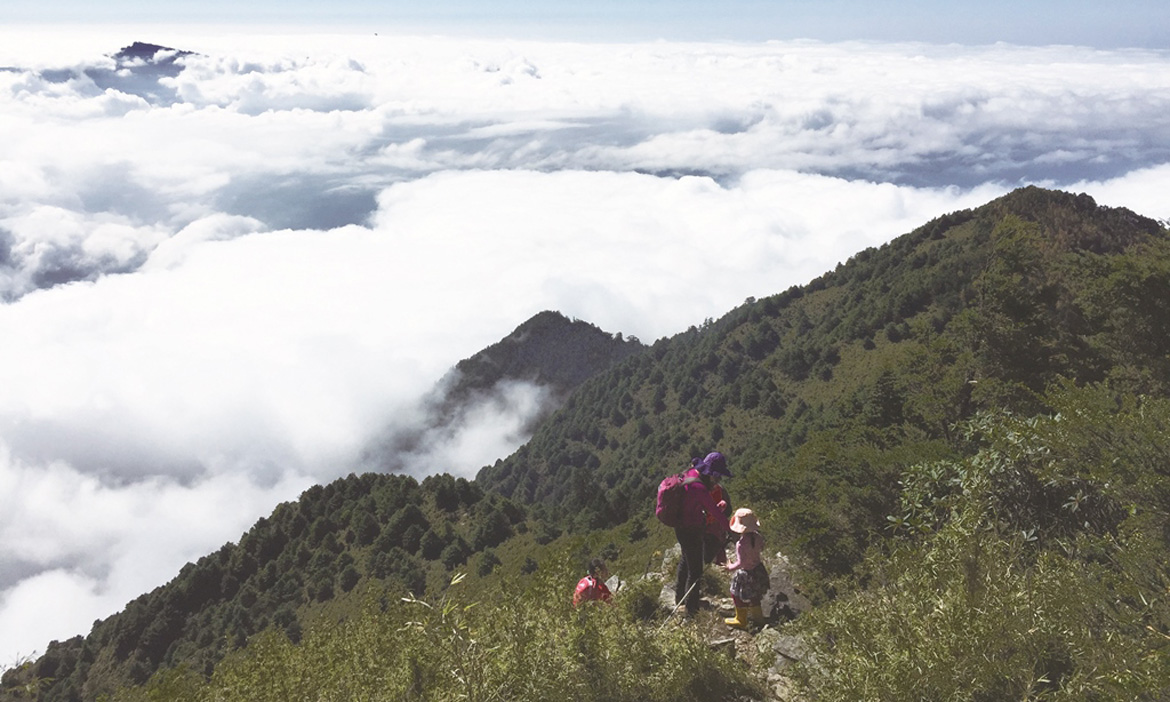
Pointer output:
x,y
221,284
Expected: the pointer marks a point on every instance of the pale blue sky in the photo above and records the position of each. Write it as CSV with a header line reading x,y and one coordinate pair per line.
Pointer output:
x,y
1120,23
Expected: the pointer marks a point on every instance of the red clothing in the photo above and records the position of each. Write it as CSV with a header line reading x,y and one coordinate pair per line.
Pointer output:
x,y
590,589
720,500
698,507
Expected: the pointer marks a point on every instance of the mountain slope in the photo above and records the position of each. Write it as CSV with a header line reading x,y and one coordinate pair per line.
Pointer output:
x,y
831,400
962,435
374,527
821,394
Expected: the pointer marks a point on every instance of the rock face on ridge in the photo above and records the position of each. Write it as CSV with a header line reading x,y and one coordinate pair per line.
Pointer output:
x,y
783,601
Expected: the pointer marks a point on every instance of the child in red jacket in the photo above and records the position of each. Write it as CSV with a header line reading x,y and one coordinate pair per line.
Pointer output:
x,y
592,587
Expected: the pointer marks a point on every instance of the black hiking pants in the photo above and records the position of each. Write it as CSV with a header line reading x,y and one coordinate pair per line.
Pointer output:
x,y
690,567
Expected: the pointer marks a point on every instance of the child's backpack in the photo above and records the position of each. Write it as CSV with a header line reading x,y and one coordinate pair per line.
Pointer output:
x,y
671,493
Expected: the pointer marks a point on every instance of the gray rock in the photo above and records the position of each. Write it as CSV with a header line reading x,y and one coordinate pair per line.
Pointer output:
x,y
666,597
785,649
783,601
670,559
789,648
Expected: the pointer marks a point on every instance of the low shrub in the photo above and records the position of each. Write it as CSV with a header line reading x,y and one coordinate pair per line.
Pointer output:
x,y
514,643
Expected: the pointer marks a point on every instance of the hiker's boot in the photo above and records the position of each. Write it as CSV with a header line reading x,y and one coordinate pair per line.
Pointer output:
x,y
740,620
755,615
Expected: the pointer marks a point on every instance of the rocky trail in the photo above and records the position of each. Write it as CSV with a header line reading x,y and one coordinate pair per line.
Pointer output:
x,y
765,646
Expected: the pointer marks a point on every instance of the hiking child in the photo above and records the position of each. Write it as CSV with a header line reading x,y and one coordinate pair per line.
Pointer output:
x,y
592,587
697,505
750,581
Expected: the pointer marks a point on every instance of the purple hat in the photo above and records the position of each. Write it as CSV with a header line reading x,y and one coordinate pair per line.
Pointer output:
x,y
715,463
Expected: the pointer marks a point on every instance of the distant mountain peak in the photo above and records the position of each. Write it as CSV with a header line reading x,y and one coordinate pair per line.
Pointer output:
x,y
549,351
145,51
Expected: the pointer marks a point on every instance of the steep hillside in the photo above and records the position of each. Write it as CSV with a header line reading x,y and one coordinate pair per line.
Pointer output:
x,y
821,394
387,528
959,437
374,527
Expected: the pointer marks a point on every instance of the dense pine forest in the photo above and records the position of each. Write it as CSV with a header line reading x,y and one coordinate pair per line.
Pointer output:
x,y
959,440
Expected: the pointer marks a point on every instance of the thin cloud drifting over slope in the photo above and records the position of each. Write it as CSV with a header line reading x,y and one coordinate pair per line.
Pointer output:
x,y
218,292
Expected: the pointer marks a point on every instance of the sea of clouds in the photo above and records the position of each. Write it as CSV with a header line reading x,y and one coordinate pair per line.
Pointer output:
x,y
223,278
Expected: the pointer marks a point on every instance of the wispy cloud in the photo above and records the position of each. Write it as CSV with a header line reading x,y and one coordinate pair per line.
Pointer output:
x,y
222,284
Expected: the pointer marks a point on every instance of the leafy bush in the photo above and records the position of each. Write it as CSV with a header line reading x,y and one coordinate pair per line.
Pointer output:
x,y
1035,569
531,645
965,620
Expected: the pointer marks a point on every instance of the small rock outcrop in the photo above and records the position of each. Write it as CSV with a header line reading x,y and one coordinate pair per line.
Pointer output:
x,y
783,602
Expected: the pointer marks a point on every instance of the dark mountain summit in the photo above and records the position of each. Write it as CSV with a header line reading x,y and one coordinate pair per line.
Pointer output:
x,y
147,53
138,70
548,352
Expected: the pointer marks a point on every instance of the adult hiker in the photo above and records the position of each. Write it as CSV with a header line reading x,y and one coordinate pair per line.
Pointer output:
x,y
697,505
592,587
750,581
715,544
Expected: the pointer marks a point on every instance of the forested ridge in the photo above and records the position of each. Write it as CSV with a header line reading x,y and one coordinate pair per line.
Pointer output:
x,y
821,394
958,437
380,527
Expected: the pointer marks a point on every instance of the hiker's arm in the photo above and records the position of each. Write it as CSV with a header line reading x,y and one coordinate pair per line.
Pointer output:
x,y
735,562
717,526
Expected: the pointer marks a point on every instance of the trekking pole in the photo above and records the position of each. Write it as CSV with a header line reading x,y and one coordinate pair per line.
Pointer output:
x,y
681,602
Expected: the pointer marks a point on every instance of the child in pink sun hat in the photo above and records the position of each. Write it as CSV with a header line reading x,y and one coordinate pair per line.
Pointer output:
x,y
750,581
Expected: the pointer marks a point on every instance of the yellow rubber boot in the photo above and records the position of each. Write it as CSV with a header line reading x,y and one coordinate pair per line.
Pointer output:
x,y
740,619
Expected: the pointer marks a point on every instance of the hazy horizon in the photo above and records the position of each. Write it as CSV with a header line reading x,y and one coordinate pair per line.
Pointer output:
x,y
1121,24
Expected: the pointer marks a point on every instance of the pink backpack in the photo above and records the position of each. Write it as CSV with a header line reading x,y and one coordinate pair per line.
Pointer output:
x,y
671,495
